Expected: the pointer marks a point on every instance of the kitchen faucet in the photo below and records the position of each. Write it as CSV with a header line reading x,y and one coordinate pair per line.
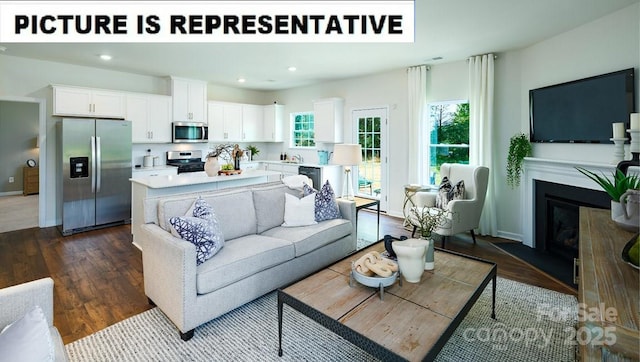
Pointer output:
x,y
299,158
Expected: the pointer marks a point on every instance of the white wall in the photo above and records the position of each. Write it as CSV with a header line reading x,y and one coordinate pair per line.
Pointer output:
x,y
608,44
388,89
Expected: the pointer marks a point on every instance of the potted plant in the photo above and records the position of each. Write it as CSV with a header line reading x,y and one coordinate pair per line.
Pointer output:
x,y
616,187
427,220
519,148
212,164
253,151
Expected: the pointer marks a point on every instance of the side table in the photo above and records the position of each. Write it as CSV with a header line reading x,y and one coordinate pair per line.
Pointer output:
x,y
409,191
361,203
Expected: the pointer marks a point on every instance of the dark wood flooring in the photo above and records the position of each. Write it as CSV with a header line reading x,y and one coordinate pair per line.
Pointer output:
x,y
98,274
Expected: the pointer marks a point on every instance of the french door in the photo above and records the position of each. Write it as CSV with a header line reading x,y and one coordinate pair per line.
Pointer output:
x,y
371,133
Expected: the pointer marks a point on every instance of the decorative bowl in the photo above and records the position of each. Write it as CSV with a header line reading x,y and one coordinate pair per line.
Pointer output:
x,y
625,251
374,281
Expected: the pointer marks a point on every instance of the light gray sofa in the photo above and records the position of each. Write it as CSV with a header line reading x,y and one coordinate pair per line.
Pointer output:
x,y
259,255
17,300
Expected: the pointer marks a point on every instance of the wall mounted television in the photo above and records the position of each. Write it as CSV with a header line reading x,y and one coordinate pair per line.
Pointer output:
x,y
583,110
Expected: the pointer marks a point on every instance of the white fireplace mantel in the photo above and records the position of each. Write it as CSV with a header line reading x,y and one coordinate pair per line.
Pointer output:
x,y
557,171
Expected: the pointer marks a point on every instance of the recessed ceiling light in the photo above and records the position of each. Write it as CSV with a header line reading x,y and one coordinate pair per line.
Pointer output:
x,y
436,58
241,80
105,57
292,69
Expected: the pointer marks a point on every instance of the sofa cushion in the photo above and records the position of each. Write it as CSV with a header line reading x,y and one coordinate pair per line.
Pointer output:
x,y
236,213
241,258
269,204
309,238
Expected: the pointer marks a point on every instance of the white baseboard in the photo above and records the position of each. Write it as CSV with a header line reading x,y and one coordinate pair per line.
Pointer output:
x,y
11,193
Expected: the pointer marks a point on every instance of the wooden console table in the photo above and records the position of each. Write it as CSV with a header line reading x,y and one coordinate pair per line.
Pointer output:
x,y
606,285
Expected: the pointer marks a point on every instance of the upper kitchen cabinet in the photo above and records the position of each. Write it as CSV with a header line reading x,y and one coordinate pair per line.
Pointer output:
x,y
252,119
225,121
189,100
328,119
87,102
272,121
150,115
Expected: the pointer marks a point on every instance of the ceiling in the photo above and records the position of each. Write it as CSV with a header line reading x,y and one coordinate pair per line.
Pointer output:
x,y
451,29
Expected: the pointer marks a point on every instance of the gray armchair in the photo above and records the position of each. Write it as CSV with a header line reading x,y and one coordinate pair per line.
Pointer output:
x,y
17,300
465,214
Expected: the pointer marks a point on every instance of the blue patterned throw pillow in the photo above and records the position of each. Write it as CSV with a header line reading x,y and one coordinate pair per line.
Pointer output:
x,y
326,207
202,229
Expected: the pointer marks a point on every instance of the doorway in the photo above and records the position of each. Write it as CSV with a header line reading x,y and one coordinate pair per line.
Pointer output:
x,y
22,121
371,129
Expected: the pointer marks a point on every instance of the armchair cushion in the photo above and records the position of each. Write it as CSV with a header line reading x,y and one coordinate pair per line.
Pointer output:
x,y
448,192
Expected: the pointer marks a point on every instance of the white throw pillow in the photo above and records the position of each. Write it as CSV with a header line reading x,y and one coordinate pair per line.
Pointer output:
x,y
27,339
299,212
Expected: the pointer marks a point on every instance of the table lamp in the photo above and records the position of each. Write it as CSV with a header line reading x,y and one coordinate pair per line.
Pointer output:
x,y
347,155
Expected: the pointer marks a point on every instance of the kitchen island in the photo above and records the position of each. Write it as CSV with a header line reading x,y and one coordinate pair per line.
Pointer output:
x,y
163,185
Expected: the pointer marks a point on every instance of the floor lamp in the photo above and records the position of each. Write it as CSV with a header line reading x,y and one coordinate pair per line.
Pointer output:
x,y
347,155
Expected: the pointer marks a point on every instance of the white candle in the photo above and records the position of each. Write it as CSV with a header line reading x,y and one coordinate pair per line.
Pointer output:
x,y
635,121
618,130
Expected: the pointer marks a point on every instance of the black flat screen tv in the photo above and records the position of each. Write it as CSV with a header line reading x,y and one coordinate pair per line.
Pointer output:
x,y
583,110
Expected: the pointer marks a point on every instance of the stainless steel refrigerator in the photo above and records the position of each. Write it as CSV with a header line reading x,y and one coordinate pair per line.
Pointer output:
x,y
96,168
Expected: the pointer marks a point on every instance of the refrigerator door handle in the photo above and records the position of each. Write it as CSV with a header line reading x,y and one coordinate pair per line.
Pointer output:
x,y
99,164
93,164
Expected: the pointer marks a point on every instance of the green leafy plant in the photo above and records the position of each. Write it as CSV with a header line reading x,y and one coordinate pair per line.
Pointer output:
x,y
254,151
519,148
620,184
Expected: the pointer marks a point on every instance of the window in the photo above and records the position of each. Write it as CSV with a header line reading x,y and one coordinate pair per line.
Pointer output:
x,y
302,134
449,136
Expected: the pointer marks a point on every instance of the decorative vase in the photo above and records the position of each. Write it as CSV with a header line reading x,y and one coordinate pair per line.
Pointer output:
x,y
616,210
211,166
429,262
411,256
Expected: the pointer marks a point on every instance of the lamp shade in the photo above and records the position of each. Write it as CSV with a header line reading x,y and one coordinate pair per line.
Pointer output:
x,y
347,154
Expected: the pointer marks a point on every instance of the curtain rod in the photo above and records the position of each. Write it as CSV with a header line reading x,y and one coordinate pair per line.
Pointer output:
x,y
494,56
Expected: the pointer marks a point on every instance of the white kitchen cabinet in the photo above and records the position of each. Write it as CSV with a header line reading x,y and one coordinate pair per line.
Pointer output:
x,y
252,120
189,100
328,120
225,121
284,168
87,102
273,121
150,115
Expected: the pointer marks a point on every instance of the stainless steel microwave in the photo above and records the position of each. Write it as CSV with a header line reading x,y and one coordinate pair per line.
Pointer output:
x,y
190,132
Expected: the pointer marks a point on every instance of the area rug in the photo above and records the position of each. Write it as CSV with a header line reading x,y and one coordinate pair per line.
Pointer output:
x,y
533,324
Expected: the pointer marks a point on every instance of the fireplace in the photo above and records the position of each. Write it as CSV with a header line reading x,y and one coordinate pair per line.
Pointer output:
x,y
556,216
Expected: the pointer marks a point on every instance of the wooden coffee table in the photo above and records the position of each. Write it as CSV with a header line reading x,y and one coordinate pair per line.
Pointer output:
x,y
412,322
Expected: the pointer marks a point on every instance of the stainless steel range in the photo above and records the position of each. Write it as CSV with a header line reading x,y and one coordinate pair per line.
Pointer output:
x,y
186,161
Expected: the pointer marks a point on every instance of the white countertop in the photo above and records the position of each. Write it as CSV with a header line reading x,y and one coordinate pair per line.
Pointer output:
x,y
306,164
153,168
195,178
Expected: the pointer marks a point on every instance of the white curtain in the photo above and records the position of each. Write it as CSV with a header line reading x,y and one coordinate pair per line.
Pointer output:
x,y
481,126
417,98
